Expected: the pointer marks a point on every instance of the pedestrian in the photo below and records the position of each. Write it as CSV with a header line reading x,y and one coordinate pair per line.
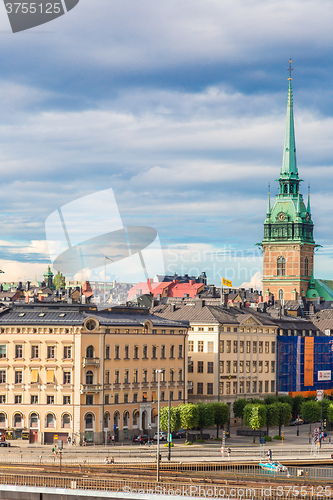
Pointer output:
x,y
84,441
269,455
106,461
112,439
229,452
69,440
222,451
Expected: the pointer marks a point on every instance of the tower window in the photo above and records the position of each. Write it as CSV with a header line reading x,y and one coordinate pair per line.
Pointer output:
x,y
306,266
281,266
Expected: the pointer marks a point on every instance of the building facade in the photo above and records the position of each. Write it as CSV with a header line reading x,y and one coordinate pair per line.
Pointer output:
x,y
232,351
73,371
288,244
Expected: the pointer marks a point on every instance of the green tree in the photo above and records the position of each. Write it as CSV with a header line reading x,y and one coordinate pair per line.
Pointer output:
x,y
238,407
174,418
297,403
271,416
221,415
284,414
310,411
269,400
206,416
59,281
254,417
330,412
189,417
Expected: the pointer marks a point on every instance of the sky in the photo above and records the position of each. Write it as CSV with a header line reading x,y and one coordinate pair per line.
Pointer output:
x,y
179,108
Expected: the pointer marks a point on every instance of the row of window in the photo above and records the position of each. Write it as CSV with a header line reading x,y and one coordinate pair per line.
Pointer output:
x,y
200,388
257,386
236,346
200,367
136,352
238,367
35,351
210,346
35,377
50,420
135,379
34,399
115,398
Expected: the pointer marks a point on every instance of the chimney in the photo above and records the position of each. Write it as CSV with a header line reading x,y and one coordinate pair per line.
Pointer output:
x,y
27,285
191,282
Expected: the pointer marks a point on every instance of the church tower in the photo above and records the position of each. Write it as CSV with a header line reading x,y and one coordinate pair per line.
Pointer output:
x,y
288,244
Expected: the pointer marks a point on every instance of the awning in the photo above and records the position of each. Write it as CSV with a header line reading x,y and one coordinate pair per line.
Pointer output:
x,y
154,412
154,396
34,376
49,376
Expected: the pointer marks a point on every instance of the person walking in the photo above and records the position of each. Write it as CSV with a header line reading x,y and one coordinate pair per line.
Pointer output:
x,y
229,452
269,455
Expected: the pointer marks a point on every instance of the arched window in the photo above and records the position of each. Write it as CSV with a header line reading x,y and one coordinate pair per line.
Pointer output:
x,y
126,418
17,420
2,420
89,377
90,352
281,266
106,420
33,420
66,421
89,421
116,418
135,417
281,295
50,420
306,266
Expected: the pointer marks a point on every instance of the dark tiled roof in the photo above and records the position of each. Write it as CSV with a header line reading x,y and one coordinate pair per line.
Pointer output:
x,y
51,315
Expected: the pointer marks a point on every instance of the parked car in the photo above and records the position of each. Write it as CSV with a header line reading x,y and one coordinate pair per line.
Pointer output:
x,y
163,436
181,434
297,421
142,439
4,444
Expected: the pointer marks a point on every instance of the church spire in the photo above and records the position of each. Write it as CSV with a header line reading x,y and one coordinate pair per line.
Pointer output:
x,y
269,200
308,207
289,165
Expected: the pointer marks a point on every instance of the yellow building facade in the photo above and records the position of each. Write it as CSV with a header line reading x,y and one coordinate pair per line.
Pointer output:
x,y
70,371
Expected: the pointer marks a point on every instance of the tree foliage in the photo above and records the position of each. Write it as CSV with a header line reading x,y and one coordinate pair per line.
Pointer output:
x,y
174,418
271,416
238,407
330,412
283,413
206,416
254,416
189,416
310,411
221,415
59,281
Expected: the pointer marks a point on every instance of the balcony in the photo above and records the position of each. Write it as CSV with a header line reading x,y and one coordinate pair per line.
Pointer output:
x,y
90,362
90,388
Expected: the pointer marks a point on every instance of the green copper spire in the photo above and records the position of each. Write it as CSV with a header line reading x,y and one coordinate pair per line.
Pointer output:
x,y
289,165
308,207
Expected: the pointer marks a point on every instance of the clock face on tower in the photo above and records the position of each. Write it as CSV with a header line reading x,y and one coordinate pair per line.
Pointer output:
x,y
282,216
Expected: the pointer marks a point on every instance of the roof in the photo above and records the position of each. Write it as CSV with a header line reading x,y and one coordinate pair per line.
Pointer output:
x,y
75,315
217,314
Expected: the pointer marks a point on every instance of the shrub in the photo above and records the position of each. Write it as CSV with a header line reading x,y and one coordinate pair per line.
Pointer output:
x,y
188,442
269,439
277,437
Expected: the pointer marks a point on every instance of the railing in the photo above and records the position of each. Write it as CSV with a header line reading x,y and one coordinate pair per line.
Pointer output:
x,y
90,388
90,361
175,488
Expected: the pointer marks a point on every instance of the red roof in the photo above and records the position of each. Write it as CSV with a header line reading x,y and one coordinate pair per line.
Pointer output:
x,y
174,289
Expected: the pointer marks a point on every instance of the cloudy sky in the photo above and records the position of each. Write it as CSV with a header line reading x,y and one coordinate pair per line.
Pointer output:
x,y
179,107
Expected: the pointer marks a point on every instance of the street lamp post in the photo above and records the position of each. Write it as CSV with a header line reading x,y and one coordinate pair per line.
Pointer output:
x,y
158,424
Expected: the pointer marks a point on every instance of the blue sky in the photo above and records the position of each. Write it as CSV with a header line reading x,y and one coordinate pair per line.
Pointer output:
x,y
179,107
